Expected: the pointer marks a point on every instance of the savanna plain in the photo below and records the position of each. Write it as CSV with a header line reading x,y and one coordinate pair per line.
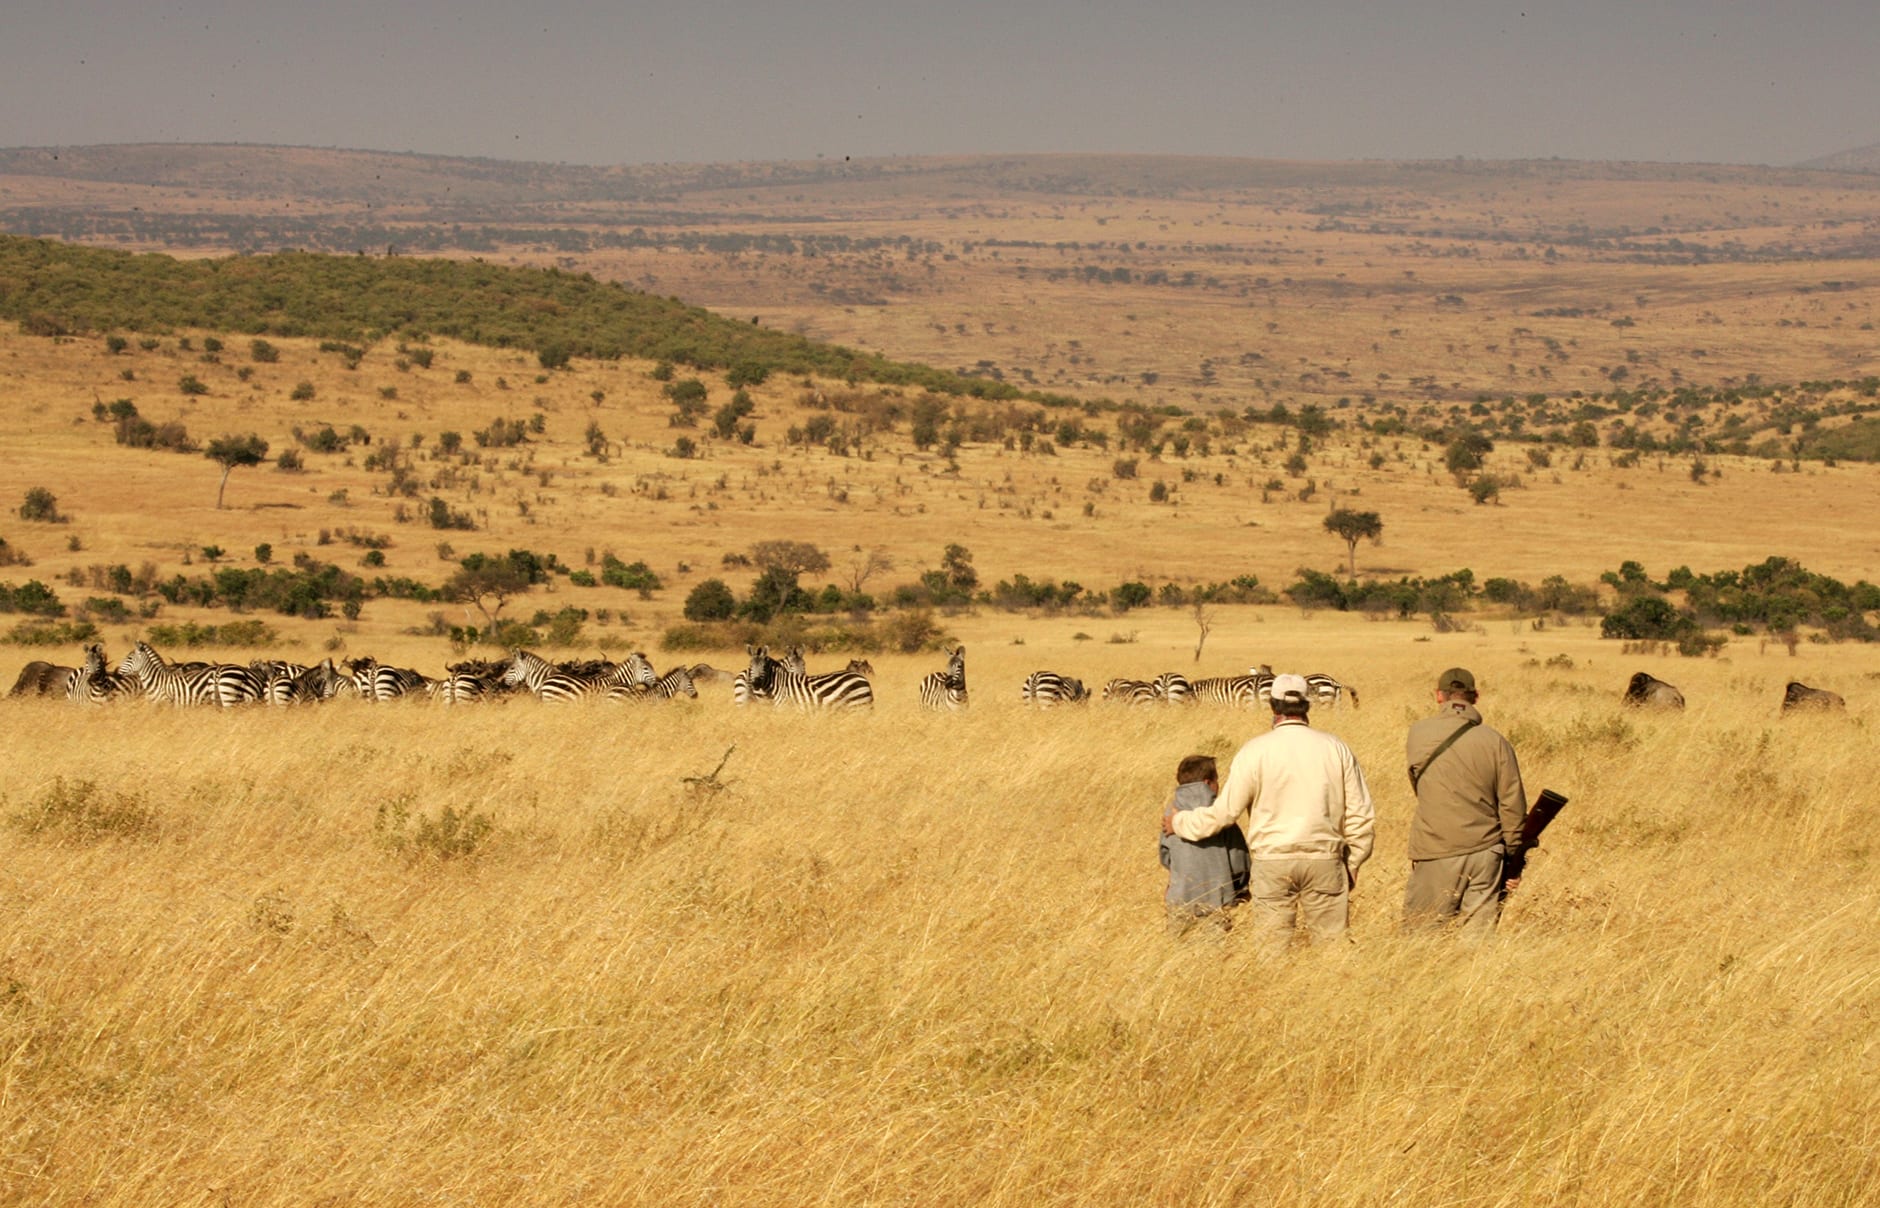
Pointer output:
x,y
696,953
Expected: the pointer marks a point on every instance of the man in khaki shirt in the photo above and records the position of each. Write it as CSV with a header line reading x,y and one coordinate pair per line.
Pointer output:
x,y
1300,798
1465,840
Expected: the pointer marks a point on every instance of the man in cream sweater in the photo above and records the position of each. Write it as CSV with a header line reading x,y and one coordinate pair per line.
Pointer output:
x,y
1300,798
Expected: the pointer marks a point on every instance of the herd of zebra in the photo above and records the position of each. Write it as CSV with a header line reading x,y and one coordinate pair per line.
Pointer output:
x,y
1046,689
783,682
786,682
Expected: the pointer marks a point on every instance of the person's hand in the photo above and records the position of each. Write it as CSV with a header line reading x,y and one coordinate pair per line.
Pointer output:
x,y
1168,822
1351,878
1512,866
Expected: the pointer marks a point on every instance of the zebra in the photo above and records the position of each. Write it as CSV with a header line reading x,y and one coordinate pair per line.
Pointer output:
x,y
538,675
795,689
1048,689
1238,691
861,667
221,684
376,681
94,684
1262,682
945,691
743,691
320,682
1173,687
469,681
1129,692
1324,690
677,682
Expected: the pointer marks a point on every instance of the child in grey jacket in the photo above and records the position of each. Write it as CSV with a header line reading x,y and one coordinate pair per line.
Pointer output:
x,y
1203,877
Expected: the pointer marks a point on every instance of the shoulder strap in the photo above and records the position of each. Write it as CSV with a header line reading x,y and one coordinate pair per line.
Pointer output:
x,y
1416,774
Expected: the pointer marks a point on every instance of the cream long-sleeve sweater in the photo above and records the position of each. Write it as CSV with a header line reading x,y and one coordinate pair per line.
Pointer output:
x,y
1297,793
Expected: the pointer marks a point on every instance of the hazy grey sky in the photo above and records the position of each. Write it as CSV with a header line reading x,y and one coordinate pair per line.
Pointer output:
x,y
714,80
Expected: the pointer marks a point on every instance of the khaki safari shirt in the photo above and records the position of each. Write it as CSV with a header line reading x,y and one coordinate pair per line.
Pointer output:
x,y
1471,797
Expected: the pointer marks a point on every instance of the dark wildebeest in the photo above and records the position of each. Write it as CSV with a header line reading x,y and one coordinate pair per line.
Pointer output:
x,y
1650,692
1801,696
40,678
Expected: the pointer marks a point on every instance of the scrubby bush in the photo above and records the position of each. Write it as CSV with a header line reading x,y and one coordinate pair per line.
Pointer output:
x,y
711,600
41,506
79,812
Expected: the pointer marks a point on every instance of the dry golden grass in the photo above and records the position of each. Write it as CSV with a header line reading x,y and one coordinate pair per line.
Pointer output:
x,y
914,958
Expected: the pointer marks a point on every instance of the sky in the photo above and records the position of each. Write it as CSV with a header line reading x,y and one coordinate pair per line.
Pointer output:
x,y
706,81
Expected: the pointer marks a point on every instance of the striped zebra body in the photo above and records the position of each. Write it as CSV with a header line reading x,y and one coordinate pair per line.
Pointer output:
x,y
945,691
538,675
1262,683
1235,691
787,688
95,684
222,684
390,683
1172,687
320,682
675,683
743,691
1048,689
1129,692
458,688
472,680
1324,690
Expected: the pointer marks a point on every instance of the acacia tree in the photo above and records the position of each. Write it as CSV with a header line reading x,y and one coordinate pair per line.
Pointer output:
x,y
488,582
1351,526
232,451
795,557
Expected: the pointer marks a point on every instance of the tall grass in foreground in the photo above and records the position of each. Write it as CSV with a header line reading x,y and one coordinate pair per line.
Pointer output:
x,y
387,955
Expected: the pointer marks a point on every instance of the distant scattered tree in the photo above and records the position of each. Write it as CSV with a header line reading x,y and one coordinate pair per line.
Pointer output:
x,y
41,505
866,564
189,383
957,561
1353,527
232,451
796,557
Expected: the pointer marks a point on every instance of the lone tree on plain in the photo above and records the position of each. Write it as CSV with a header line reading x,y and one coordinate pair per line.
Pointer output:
x,y
1351,526
232,451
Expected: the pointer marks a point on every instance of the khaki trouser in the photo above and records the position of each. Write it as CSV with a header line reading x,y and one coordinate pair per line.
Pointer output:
x,y
1465,888
1312,892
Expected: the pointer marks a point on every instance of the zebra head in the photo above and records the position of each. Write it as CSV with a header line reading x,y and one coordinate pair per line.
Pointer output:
x,y
862,667
94,661
793,661
140,662
640,669
524,666
762,667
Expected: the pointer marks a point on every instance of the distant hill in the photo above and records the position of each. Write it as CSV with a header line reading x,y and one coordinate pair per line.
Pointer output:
x,y
1859,159
55,289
